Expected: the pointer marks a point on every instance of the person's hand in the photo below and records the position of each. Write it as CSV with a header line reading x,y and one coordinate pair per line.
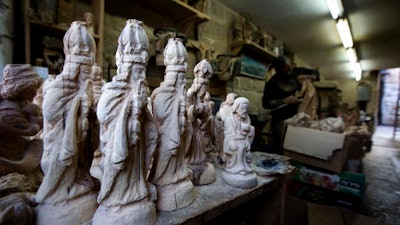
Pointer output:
x,y
290,100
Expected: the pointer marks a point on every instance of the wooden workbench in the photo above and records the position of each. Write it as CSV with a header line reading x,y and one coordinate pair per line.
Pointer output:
x,y
220,203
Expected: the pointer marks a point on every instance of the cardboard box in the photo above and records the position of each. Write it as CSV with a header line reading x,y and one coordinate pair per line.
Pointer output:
x,y
312,142
299,212
316,148
345,182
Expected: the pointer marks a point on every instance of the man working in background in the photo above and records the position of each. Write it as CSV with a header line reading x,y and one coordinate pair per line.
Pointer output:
x,y
280,97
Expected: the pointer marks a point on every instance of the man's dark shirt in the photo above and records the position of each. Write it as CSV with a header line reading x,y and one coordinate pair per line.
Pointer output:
x,y
278,88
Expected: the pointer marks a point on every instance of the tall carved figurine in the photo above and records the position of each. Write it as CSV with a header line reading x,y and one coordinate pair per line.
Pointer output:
x,y
239,134
170,173
198,114
68,192
128,136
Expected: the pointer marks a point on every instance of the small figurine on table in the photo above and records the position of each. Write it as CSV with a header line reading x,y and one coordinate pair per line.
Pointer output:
x,y
239,134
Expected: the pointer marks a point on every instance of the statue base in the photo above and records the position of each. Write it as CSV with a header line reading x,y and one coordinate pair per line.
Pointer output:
x,y
142,212
238,180
77,211
175,196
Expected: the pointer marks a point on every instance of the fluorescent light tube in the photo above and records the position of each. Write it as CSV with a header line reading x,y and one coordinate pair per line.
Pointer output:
x,y
357,70
352,55
336,8
345,34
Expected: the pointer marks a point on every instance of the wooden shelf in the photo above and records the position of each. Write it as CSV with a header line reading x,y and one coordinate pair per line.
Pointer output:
x,y
36,29
175,9
54,29
245,46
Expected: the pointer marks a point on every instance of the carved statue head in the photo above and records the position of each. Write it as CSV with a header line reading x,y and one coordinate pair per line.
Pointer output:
x,y
133,43
175,55
203,69
230,98
78,41
240,107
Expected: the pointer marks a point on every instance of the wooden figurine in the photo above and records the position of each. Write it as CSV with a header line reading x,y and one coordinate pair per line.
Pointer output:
x,y
20,120
98,83
89,19
68,192
309,98
239,134
198,113
128,136
170,173
208,132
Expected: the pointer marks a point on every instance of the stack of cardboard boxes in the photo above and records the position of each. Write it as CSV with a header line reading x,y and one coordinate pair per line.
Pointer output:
x,y
328,166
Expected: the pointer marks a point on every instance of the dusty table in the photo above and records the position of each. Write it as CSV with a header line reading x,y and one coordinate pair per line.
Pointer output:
x,y
219,203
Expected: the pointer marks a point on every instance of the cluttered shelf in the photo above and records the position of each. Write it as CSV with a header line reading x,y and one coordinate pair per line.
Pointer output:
x,y
238,47
178,10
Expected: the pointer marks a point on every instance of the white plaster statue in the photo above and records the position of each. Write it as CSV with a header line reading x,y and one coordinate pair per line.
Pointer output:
x,y
239,134
170,173
68,192
198,114
128,136
20,120
224,111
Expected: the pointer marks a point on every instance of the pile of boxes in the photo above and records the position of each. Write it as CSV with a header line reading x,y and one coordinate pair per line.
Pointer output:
x,y
328,166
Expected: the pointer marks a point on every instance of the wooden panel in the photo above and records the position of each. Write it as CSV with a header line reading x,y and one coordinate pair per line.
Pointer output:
x,y
324,215
357,219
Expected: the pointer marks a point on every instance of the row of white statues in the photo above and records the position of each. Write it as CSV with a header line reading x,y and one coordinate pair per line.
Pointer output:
x,y
155,148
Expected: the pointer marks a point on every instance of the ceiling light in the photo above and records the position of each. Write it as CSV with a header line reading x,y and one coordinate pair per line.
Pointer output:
x,y
345,34
357,70
336,8
352,55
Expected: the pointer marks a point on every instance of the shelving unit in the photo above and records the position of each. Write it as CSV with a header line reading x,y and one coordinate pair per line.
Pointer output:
x,y
36,29
244,45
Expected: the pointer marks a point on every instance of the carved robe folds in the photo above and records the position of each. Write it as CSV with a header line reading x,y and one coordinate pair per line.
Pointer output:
x,y
170,173
128,136
68,192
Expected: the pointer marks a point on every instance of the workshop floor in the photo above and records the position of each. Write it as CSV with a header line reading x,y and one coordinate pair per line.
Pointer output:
x,y
382,170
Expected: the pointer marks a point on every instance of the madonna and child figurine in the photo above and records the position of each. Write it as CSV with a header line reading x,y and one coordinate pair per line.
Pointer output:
x,y
239,134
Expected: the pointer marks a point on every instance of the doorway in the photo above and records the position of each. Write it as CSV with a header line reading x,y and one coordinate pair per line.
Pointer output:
x,y
389,81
